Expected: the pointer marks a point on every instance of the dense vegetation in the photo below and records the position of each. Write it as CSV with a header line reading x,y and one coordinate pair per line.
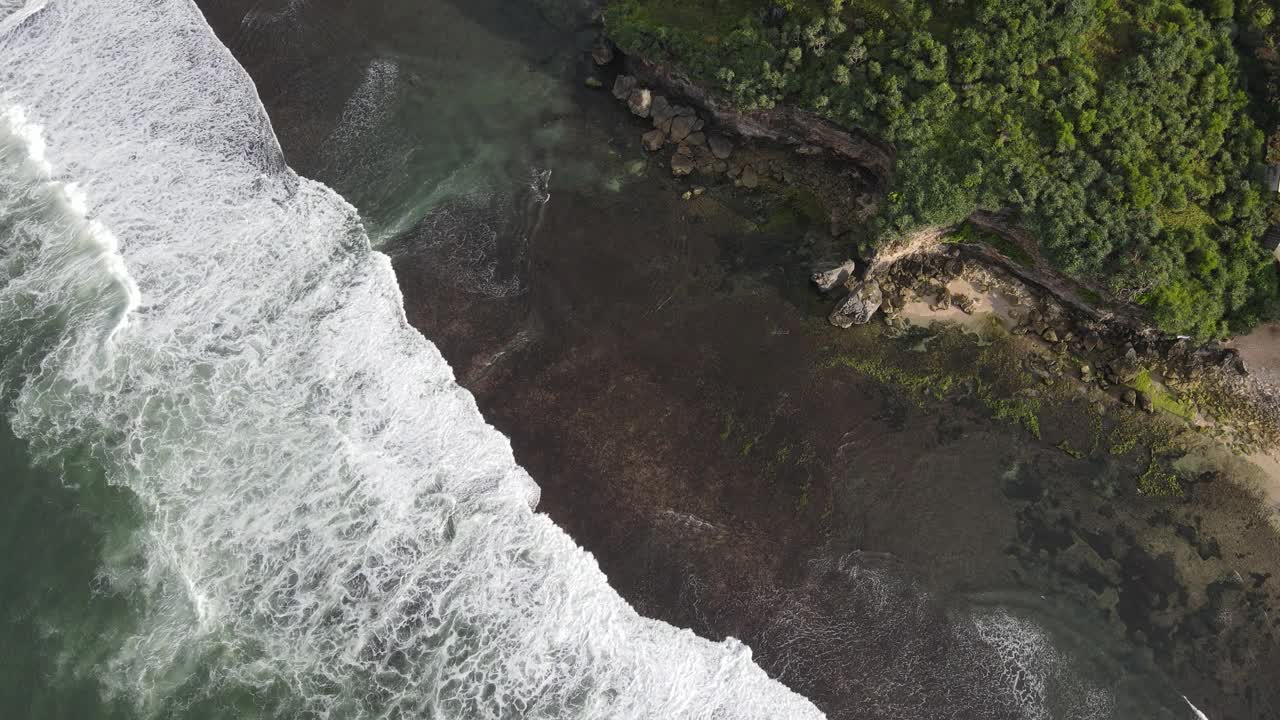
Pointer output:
x,y
1126,132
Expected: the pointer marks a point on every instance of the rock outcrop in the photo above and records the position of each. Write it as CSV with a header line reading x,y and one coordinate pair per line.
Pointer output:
x,y
829,279
862,303
787,125
679,125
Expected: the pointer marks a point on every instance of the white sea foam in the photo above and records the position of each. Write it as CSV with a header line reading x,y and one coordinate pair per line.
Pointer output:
x,y
1035,674
326,509
368,105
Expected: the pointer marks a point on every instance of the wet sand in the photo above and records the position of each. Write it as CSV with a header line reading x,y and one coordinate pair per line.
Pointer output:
x,y
1260,350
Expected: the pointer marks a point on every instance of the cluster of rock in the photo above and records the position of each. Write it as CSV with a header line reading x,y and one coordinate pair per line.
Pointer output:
x,y
784,125
700,150
676,125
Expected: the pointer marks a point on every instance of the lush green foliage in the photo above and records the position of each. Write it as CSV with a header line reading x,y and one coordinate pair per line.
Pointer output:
x,y
1120,129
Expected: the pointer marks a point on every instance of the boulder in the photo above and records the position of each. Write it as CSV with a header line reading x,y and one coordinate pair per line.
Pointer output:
x,y
653,140
1144,402
682,127
857,309
720,146
640,101
602,52
623,86
661,112
828,279
681,164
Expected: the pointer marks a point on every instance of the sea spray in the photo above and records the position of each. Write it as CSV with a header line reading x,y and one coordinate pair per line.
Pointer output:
x,y
330,524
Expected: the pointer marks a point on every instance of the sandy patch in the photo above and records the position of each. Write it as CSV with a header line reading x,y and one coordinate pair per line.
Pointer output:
x,y
1260,351
1269,463
986,305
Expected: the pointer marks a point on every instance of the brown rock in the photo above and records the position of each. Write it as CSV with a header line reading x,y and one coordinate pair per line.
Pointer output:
x,y
623,86
697,139
681,165
681,127
1050,335
749,179
653,140
602,52
661,112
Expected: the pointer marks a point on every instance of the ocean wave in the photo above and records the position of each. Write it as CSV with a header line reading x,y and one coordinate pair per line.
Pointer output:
x,y
327,513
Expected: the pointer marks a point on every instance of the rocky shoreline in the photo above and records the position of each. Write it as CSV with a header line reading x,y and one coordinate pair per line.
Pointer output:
x,y
847,503
1108,345
1094,380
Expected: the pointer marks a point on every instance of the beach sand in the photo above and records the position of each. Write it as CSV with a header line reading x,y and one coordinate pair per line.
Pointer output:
x,y
986,305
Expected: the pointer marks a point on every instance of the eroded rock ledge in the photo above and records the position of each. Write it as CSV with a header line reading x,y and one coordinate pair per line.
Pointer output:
x,y
785,125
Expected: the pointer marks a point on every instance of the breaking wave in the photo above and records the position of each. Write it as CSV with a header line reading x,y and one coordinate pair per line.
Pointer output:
x,y
327,515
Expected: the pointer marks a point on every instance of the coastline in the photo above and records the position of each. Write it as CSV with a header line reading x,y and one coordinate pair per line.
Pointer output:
x,y
842,502
1232,398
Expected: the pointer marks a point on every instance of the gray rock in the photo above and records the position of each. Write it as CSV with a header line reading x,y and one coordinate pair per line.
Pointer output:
x,y
749,178
826,280
841,321
1130,397
640,101
697,139
720,146
863,302
653,140
623,86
